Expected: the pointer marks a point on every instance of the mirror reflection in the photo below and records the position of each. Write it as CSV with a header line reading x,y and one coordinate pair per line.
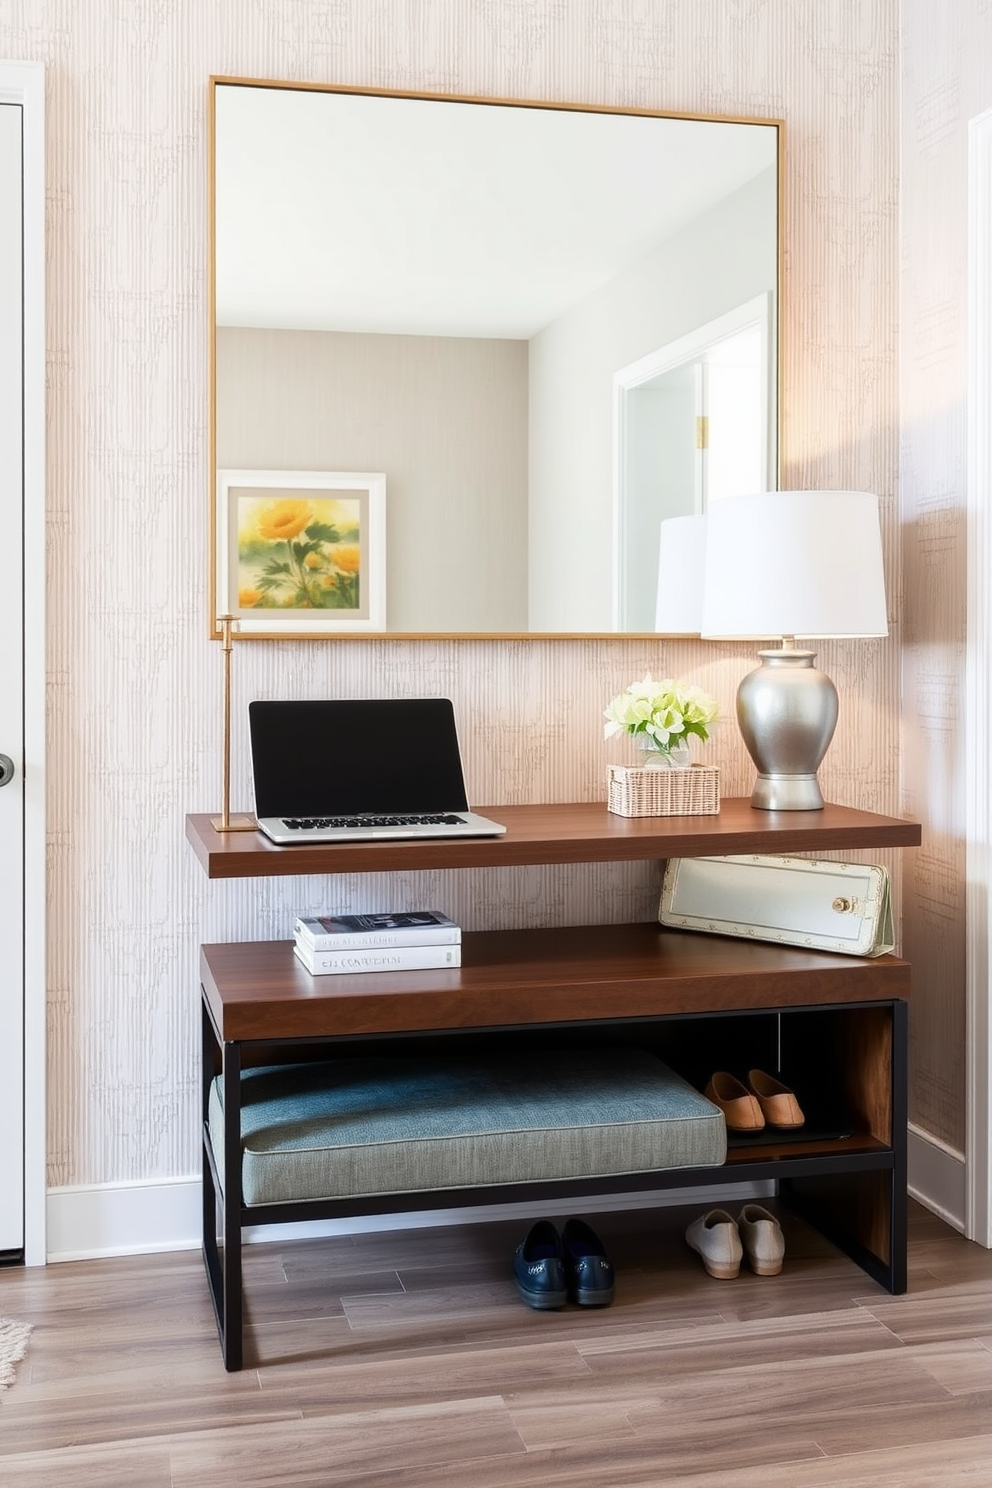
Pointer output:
x,y
548,329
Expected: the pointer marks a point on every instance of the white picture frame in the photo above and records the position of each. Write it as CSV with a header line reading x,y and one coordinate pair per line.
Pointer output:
x,y
301,553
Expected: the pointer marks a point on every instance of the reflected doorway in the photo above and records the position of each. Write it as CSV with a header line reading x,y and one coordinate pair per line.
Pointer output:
x,y
692,425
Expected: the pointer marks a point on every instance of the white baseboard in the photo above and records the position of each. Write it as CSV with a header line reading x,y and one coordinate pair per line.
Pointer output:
x,y
114,1219
109,1219
937,1177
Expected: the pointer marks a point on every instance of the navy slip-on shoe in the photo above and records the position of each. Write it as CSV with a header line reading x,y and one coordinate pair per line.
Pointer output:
x,y
588,1270
538,1267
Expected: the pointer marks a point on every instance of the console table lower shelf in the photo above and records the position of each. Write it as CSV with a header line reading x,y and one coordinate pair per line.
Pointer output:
x,y
635,997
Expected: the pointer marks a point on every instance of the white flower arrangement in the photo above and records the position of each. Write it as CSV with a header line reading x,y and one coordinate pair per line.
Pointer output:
x,y
665,714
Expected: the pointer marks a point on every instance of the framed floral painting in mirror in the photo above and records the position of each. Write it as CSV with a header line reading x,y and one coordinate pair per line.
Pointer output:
x,y
301,551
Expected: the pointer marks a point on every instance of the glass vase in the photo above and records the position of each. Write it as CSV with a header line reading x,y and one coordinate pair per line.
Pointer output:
x,y
675,756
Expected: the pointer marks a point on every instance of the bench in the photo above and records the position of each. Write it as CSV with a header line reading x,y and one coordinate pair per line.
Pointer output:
x,y
353,1128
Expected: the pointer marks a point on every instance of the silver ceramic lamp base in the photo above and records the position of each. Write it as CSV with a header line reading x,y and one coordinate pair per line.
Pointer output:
x,y
787,713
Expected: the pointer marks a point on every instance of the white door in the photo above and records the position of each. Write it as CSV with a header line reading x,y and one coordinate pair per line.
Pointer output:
x,y
978,690
11,686
22,1106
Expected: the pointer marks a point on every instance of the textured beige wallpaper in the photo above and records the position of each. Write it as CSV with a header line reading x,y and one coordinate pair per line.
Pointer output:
x,y
947,80
135,718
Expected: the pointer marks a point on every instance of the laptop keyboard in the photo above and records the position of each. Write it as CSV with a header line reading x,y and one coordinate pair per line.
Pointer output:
x,y
307,823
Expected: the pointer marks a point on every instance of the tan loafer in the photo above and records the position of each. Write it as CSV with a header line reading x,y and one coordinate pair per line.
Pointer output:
x,y
778,1103
715,1237
740,1107
762,1239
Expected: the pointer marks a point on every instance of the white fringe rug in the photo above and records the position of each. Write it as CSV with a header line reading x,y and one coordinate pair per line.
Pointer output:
x,y
13,1346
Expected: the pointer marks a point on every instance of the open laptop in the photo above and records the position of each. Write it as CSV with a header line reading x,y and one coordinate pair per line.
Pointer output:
x,y
348,770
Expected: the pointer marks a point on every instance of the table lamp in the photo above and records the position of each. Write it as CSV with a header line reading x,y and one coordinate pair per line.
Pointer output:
x,y
788,564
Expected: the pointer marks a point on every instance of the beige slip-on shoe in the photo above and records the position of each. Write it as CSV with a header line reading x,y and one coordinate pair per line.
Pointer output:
x,y
741,1109
715,1237
778,1103
762,1239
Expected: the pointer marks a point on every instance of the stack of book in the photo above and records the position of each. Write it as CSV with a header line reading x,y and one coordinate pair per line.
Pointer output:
x,y
405,941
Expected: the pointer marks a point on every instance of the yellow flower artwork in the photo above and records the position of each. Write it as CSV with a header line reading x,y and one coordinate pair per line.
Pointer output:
x,y
299,553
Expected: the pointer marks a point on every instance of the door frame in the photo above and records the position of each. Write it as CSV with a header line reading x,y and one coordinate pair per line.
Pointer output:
x,y
23,83
978,696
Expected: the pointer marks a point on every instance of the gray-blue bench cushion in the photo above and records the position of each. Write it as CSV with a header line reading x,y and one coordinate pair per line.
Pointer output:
x,y
345,1128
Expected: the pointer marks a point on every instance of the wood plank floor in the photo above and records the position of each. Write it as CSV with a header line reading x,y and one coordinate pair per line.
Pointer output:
x,y
406,1360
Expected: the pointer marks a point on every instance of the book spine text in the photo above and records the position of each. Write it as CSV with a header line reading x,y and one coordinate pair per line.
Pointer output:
x,y
400,958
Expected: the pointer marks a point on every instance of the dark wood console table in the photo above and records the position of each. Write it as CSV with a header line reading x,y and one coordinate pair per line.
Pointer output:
x,y
702,1002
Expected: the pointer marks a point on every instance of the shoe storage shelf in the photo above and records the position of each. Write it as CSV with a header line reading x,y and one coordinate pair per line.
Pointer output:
x,y
835,1026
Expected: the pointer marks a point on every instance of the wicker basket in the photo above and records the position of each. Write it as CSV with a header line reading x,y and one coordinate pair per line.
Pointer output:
x,y
691,792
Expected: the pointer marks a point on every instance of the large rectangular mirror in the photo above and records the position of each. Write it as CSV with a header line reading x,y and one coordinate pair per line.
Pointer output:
x,y
468,355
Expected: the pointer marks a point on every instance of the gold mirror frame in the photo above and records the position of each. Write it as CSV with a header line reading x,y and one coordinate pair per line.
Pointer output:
x,y
217,629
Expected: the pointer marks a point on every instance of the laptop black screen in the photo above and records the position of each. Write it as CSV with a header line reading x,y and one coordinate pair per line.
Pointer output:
x,y
344,757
